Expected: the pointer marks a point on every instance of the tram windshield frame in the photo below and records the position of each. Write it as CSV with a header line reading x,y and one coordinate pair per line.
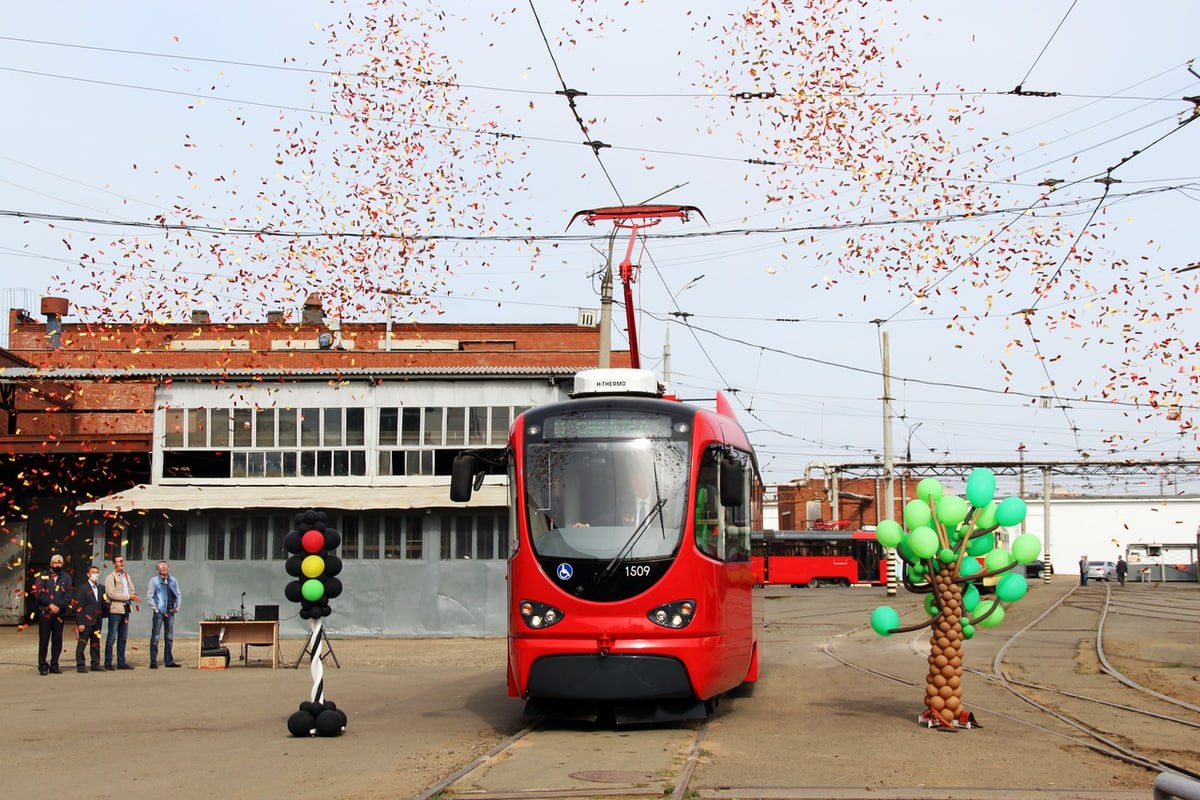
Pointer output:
x,y
593,475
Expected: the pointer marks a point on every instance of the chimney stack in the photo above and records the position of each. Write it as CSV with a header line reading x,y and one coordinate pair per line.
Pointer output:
x,y
54,309
313,313
201,317
275,317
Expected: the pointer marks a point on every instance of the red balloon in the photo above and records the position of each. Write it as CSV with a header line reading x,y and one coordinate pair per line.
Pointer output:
x,y
313,542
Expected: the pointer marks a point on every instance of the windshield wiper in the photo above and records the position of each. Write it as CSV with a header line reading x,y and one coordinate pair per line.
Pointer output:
x,y
623,554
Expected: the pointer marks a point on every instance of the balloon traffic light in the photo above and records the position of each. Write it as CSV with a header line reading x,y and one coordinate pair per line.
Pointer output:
x,y
313,564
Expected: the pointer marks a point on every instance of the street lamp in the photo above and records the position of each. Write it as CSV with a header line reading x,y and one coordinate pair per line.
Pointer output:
x,y
667,334
908,442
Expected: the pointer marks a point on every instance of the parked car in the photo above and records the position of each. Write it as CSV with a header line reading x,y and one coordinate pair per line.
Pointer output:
x,y
1034,569
1102,570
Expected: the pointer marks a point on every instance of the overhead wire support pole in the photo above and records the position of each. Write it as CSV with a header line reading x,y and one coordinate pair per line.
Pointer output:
x,y
889,467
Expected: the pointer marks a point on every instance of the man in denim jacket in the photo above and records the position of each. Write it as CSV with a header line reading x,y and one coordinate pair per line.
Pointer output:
x,y
164,597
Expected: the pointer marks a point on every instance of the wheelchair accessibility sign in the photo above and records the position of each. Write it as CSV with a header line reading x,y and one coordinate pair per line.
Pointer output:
x,y
564,571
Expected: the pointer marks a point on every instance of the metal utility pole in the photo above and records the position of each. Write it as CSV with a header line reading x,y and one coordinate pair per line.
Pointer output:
x,y
606,300
889,467
1046,489
667,335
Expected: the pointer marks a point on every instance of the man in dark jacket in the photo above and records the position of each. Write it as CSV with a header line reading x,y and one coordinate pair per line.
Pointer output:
x,y
89,614
52,592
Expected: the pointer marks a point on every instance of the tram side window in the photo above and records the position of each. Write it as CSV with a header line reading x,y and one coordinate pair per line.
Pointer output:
x,y
737,520
707,527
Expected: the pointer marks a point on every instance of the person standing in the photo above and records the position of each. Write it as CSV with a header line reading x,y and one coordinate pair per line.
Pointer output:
x,y
52,591
164,597
120,594
89,616
1083,568
1122,568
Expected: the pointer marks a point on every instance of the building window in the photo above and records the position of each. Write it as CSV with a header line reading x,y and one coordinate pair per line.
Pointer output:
x,y
477,425
370,537
349,531
216,538
501,420
279,530
393,537
456,425
264,427
260,530
177,538
173,421
433,426
237,539
135,541
414,539
218,427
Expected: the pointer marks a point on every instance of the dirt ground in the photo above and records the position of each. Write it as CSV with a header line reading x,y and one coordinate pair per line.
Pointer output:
x,y
420,708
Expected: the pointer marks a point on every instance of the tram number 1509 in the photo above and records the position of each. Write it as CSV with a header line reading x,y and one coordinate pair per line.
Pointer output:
x,y
637,570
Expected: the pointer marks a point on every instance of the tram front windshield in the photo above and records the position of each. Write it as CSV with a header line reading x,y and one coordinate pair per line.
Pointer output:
x,y
592,497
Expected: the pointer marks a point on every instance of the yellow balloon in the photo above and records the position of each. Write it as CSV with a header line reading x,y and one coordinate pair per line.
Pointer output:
x,y
312,566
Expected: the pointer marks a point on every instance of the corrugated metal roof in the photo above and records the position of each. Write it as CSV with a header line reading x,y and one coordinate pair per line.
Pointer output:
x,y
75,374
350,498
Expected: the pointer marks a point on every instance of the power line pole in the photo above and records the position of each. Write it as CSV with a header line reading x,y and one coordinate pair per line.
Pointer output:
x,y
606,301
889,467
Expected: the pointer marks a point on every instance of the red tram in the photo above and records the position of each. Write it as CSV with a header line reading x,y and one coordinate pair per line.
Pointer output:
x,y
813,558
629,584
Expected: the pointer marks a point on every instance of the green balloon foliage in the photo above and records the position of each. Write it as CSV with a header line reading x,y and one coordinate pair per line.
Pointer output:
x,y
994,611
970,596
884,620
917,514
987,516
1011,587
915,574
946,555
929,489
1010,511
312,590
931,605
998,559
981,545
969,567
1026,547
968,630
888,533
981,487
923,542
951,510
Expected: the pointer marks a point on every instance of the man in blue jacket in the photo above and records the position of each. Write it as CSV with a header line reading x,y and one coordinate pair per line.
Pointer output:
x,y
164,597
52,592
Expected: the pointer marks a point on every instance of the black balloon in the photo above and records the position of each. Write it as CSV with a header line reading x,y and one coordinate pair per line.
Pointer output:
x,y
326,610
291,542
332,539
329,723
333,565
302,723
304,614
292,565
333,587
292,591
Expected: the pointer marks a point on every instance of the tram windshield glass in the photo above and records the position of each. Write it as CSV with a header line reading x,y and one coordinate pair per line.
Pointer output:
x,y
606,482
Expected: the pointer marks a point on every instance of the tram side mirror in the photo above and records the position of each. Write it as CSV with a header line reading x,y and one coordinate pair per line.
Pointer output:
x,y
732,495
462,478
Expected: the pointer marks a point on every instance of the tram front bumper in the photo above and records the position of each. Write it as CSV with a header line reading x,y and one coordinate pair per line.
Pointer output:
x,y
616,676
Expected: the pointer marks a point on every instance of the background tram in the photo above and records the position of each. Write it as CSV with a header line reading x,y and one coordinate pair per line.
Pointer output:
x,y
630,586
813,558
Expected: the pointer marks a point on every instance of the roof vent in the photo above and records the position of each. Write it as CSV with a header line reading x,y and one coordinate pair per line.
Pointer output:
x,y
596,382
313,313
275,317
201,317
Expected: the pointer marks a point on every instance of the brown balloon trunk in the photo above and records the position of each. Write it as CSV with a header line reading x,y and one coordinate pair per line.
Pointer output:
x,y
943,684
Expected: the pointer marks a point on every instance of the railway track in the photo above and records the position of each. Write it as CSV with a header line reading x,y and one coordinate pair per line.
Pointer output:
x,y
552,760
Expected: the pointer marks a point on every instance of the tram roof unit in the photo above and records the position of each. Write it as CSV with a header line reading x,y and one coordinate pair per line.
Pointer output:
x,y
628,382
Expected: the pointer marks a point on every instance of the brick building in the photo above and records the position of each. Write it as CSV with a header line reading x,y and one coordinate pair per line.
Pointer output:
x,y
198,442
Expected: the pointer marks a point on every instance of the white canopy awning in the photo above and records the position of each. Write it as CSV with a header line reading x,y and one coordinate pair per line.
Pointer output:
x,y
349,498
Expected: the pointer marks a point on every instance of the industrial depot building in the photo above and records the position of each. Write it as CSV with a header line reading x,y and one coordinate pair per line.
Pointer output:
x,y
197,443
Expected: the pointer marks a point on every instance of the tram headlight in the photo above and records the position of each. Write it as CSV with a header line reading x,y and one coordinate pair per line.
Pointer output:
x,y
673,615
540,615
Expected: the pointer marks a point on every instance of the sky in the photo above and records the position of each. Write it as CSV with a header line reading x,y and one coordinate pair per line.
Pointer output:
x,y
861,168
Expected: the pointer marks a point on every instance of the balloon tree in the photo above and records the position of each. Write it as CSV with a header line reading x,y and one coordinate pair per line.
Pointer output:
x,y
948,546
314,566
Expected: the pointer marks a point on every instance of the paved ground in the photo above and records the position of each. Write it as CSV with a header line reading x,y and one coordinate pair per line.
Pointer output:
x,y
419,708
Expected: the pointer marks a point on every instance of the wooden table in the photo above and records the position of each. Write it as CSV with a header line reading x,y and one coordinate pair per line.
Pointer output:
x,y
242,633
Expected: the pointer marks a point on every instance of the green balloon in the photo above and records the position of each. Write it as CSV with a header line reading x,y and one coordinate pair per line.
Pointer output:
x,y
1010,511
929,489
923,542
970,597
884,620
946,555
968,630
1026,547
952,510
930,605
969,567
981,545
997,559
981,487
1011,587
312,590
987,517
888,533
994,618
917,514
916,572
